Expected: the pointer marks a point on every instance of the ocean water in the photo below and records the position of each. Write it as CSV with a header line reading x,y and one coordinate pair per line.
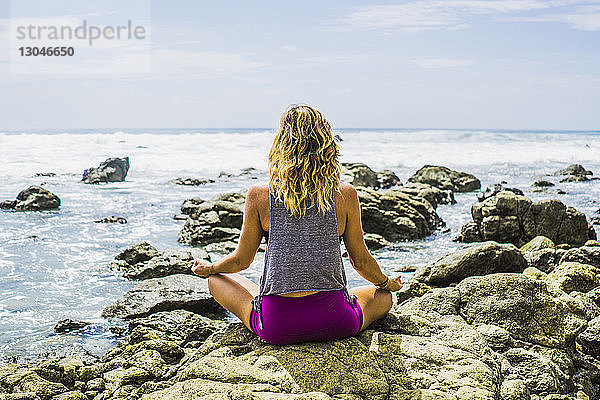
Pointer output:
x,y
53,264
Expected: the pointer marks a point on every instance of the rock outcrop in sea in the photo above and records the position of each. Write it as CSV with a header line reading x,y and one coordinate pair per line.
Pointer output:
x,y
574,173
144,261
34,198
491,335
401,212
445,178
510,218
109,170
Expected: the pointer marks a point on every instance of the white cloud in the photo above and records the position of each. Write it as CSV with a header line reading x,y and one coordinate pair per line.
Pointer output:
x,y
584,18
422,15
289,48
440,63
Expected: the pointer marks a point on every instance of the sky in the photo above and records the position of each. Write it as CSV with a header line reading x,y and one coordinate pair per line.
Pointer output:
x,y
474,64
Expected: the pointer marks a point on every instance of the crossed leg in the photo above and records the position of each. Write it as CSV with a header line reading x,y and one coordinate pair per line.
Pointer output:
x,y
375,303
235,293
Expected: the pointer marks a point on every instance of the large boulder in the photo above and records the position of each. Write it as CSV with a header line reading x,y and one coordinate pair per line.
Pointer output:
x,y
570,276
446,179
171,292
397,215
34,198
213,221
510,218
476,259
109,170
143,261
359,174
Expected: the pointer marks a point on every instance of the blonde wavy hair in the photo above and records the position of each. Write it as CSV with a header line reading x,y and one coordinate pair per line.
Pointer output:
x,y
303,161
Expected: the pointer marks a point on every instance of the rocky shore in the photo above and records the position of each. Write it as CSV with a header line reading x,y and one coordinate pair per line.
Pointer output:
x,y
512,315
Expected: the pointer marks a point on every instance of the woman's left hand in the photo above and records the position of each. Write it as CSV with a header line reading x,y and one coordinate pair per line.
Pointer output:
x,y
202,268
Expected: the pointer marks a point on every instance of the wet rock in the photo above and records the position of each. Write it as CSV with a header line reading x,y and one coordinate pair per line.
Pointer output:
x,y
446,179
510,218
137,253
113,219
173,292
543,183
217,220
143,261
191,181
375,241
359,174
396,215
479,259
68,325
110,170
575,178
497,188
574,169
34,198
49,174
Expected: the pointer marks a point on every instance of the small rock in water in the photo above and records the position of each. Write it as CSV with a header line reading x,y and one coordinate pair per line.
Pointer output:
x,y
543,183
69,325
45,174
111,220
34,198
445,178
110,170
191,181
574,169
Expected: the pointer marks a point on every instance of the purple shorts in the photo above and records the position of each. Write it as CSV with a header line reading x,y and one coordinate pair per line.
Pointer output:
x,y
321,316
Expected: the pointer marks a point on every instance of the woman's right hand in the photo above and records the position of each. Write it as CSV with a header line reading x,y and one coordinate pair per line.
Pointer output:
x,y
394,284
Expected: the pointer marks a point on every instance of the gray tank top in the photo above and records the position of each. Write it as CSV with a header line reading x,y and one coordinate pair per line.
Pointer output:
x,y
302,253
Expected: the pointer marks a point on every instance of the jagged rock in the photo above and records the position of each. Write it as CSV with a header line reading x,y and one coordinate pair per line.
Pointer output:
x,y
67,325
138,253
113,219
478,259
446,179
396,215
171,292
574,169
359,174
510,218
218,220
143,261
34,198
109,170
497,188
191,181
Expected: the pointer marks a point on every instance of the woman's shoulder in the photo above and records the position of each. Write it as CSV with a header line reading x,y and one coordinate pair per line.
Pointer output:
x,y
259,193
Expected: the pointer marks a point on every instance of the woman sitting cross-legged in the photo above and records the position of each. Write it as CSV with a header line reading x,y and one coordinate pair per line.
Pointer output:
x,y
303,213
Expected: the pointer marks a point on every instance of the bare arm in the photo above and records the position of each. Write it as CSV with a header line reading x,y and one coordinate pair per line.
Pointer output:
x,y
360,258
247,247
